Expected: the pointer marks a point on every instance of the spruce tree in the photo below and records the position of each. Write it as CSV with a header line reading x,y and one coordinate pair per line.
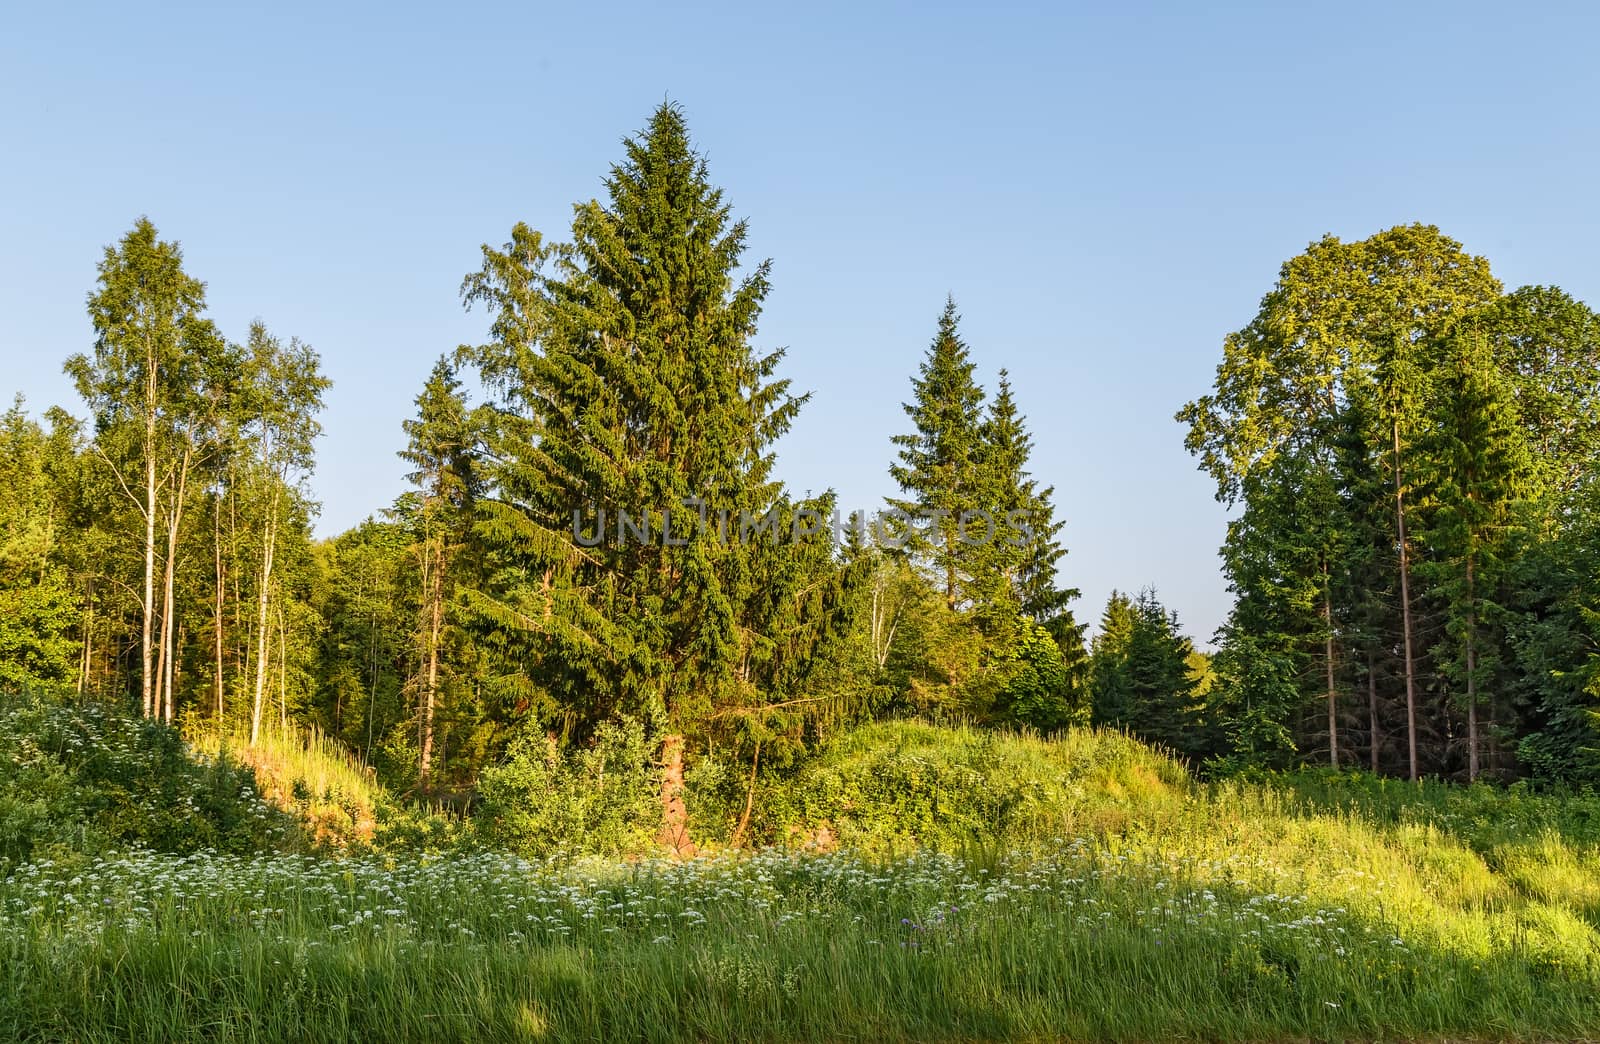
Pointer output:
x,y
940,465
1476,452
1029,569
442,447
1161,685
1142,677
1111,685
634,406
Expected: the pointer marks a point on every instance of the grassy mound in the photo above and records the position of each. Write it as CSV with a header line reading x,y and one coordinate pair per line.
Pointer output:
x,y
82,777
900,786
985,887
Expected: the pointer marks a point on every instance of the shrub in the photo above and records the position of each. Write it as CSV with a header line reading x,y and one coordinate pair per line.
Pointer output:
x,y
602,799
1039,694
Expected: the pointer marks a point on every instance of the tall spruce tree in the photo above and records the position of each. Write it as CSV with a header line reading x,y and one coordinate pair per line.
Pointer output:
x,y
940,466
633,407
1480,467
1029,567
442,448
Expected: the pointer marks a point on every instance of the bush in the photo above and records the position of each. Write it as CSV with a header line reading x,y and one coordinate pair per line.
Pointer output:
x,y
603,799
1039,693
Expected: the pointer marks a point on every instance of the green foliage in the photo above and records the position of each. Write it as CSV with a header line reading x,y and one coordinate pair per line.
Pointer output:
x,y
83,777
36,640
627,381
1256,692
38,610
368,606
902,786
1405,441
1041,694
543,801
940,466
1141,679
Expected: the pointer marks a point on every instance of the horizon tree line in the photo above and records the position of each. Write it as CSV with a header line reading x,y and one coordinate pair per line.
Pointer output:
x,y
1410,449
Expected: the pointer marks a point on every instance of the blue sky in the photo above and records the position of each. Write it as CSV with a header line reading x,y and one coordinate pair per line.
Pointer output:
x,y
1106,192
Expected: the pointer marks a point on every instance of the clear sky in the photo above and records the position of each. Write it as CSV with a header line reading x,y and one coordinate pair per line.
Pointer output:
x,y
1106,193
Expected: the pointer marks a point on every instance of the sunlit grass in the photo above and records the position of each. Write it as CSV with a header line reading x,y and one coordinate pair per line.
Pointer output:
x,y
335,796
990,887
1328,926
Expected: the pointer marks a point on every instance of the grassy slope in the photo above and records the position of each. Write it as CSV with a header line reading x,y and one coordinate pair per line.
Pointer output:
x,y
1092,891
335,796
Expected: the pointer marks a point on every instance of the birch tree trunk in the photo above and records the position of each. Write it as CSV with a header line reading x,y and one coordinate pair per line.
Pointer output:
x,y
268,547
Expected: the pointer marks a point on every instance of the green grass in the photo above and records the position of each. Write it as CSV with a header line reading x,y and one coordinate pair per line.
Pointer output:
x,y
337,799
995,888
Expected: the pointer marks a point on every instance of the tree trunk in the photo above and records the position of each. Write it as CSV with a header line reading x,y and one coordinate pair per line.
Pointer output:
x,y
216,543
372,680
168,599
1372,711
674,813
749,798
268,543
1405,611
1472,675
146,635
88,637
1327,655
162,642
174,674
430,691
283,673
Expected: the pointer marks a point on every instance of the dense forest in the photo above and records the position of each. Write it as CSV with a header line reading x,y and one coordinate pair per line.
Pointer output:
x,y
1409,447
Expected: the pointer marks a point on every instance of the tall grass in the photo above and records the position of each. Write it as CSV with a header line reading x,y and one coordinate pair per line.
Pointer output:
x,y
336,797
1071,942
989,888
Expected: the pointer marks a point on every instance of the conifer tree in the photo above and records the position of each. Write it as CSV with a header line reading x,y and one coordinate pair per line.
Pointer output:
x,y
442,443
1477,453
1349,327
1025,562
631,398
940,466
1142,678
1110,683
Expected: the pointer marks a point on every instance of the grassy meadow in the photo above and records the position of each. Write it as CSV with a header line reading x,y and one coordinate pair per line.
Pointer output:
x,y
985,888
